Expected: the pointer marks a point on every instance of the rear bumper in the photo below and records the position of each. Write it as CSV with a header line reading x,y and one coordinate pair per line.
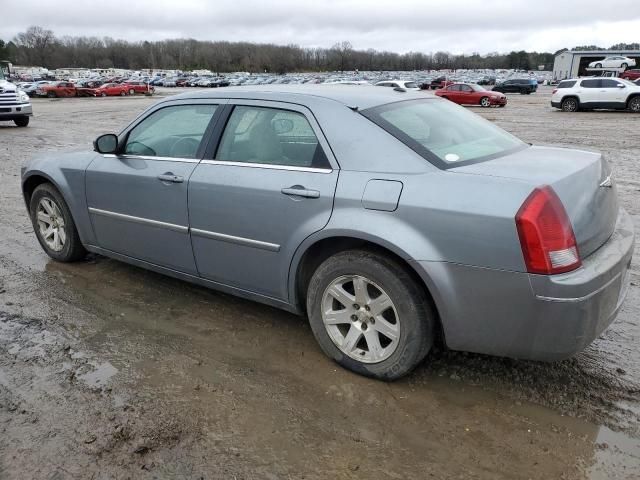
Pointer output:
x,y
536,317
11,112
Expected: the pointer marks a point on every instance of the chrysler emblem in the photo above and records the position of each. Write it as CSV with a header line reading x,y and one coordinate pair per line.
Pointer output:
x,y
606,183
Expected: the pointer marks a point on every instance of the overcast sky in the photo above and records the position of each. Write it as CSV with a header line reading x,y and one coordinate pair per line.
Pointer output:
x,y
396,25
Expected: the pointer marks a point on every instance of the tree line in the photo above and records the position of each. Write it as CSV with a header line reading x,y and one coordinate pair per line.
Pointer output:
x,y
38,46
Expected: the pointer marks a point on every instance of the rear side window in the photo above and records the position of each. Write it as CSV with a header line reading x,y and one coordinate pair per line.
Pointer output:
x,y
270,136
567,84
610,83
591,83
443,133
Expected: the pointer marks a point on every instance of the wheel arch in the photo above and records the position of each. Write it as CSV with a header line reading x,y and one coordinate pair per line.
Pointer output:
x,y
36,178
631,97
310,256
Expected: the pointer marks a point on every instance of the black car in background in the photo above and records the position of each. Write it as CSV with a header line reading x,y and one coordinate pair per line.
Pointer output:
x,y
523,86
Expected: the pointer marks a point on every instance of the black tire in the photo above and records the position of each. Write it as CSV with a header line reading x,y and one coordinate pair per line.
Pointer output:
x,y
634,105
51,94
21,121
624,66
485,102
415,316
72,250
570,105
598,65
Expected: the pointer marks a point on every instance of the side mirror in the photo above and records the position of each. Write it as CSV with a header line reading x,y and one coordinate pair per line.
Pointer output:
x,y
107,143
621,85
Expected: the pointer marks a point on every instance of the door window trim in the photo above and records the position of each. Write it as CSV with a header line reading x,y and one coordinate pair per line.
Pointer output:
x,y
225,114
123,136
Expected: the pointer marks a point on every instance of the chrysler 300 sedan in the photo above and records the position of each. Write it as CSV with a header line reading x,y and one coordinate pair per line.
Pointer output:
x,y
391,219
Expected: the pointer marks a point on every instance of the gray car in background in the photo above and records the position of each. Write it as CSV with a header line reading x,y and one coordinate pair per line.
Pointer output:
x,y
391,219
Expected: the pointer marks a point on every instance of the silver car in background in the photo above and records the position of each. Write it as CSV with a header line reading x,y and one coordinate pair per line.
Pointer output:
x,y
392,219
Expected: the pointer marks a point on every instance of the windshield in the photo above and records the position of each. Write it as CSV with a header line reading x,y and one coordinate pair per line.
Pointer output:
x,y
442,132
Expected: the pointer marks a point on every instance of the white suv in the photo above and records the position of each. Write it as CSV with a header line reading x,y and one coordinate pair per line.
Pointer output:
x,y
591,93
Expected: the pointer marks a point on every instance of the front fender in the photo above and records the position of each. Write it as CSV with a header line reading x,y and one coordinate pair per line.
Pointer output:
x,y
67,173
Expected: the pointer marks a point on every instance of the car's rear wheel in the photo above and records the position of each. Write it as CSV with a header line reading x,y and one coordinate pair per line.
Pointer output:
x,y
21,121
103,94
569,105
123,93
369,315
634,105
51,94
132,91
624,66
598,65
54,225
485,102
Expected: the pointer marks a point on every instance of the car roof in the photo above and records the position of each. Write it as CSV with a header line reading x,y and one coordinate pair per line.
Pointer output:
x,y
352,96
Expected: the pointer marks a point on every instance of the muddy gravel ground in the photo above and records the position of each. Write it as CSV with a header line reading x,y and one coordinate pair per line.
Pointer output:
x,y
110,371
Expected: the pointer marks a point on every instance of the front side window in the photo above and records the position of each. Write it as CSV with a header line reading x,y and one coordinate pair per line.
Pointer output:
x,y
442,132
174,131
270,136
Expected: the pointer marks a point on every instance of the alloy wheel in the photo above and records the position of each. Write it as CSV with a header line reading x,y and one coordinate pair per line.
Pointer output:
x,y
634,105
485,102
360,318
569,105
51,224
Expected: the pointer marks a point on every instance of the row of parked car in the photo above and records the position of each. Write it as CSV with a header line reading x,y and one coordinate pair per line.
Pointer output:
x,y
85,89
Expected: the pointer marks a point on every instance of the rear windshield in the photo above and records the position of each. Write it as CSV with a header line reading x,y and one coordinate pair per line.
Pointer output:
x,y
567,84
442,132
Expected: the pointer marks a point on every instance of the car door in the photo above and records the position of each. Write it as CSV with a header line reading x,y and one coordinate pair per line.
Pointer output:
x,y
613,93
589,92
452,92
137,199
466,95
269,186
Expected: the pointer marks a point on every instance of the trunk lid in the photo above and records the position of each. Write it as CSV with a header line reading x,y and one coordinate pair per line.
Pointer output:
x,y
578,177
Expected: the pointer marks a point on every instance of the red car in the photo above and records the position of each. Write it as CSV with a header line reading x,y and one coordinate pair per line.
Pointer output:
x,y
57,89
110,90
472,94
139,87
631,74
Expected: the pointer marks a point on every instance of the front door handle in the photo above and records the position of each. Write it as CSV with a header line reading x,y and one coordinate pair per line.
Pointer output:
x,y
300,191
171,178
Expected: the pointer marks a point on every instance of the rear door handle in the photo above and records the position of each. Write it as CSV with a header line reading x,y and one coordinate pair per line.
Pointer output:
x,y
300,191
170,177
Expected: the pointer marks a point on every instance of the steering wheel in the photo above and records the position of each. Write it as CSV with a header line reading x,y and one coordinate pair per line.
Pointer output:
x,y
186,147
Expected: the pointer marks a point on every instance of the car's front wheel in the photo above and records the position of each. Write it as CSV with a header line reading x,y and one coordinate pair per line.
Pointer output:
x,y
21,121
624,66
54,225
369,314
485,102
569,105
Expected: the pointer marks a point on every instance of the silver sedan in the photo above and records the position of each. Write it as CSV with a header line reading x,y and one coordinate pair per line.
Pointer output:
x,y
391,219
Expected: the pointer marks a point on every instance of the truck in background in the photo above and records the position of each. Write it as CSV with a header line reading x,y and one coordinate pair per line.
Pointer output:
x,y
15,105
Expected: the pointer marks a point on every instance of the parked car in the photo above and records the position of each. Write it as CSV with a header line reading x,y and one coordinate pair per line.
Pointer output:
x,y
404,84
596,93
487,80
613,62
517,85
56,89
630,75
139,87
439,225
15,105
111,90
471,94
440,82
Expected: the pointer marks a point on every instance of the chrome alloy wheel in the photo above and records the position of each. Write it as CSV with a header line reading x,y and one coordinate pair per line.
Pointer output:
x,y
360,319
51,224
485,102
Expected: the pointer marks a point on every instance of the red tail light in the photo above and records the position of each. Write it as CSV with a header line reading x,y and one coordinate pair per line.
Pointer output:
x,y
546,236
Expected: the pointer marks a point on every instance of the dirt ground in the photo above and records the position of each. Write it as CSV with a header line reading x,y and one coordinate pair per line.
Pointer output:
x,y
109,371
